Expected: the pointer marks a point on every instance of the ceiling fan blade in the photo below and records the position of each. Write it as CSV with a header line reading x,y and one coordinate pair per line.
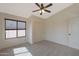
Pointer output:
x,y
42,5
36,10
48,5
47,11
37,5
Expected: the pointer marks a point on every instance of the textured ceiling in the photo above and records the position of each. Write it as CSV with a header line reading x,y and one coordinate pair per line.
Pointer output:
x,y
25,9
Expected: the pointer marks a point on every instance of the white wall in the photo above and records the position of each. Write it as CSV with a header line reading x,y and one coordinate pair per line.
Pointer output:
x,y
9,42
29,31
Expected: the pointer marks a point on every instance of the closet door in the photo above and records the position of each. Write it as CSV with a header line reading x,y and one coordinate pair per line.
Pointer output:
x,y
74,33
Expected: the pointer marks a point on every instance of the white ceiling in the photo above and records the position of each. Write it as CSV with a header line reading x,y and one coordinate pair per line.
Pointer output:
x,y
25,9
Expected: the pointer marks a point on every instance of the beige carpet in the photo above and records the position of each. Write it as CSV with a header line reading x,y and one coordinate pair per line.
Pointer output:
x,y
43,48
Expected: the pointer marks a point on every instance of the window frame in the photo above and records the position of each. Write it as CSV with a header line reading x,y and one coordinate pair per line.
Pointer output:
x,y
16,28
21,29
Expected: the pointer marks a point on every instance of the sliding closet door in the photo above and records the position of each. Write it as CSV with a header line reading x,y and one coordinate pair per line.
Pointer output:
x,y
74,33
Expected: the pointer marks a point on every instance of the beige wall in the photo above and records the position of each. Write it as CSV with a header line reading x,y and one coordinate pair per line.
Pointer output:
x,y
9,42
37,29
34,30
56,30
57,26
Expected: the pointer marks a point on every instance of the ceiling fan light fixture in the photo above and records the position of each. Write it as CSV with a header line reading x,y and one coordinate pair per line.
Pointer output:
x,y
42,11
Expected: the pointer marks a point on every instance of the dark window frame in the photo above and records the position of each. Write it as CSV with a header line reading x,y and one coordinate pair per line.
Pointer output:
x,y
16,28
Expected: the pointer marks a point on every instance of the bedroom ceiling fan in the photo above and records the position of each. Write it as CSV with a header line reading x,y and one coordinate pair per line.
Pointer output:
x,y
42,8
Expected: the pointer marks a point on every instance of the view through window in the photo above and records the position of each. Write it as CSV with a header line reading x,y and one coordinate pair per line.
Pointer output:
x,y
15,28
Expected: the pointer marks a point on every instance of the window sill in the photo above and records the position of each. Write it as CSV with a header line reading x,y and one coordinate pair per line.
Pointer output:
x,y
15,37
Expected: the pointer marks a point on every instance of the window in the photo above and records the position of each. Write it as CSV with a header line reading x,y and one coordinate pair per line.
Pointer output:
x,y
15,28
21,28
